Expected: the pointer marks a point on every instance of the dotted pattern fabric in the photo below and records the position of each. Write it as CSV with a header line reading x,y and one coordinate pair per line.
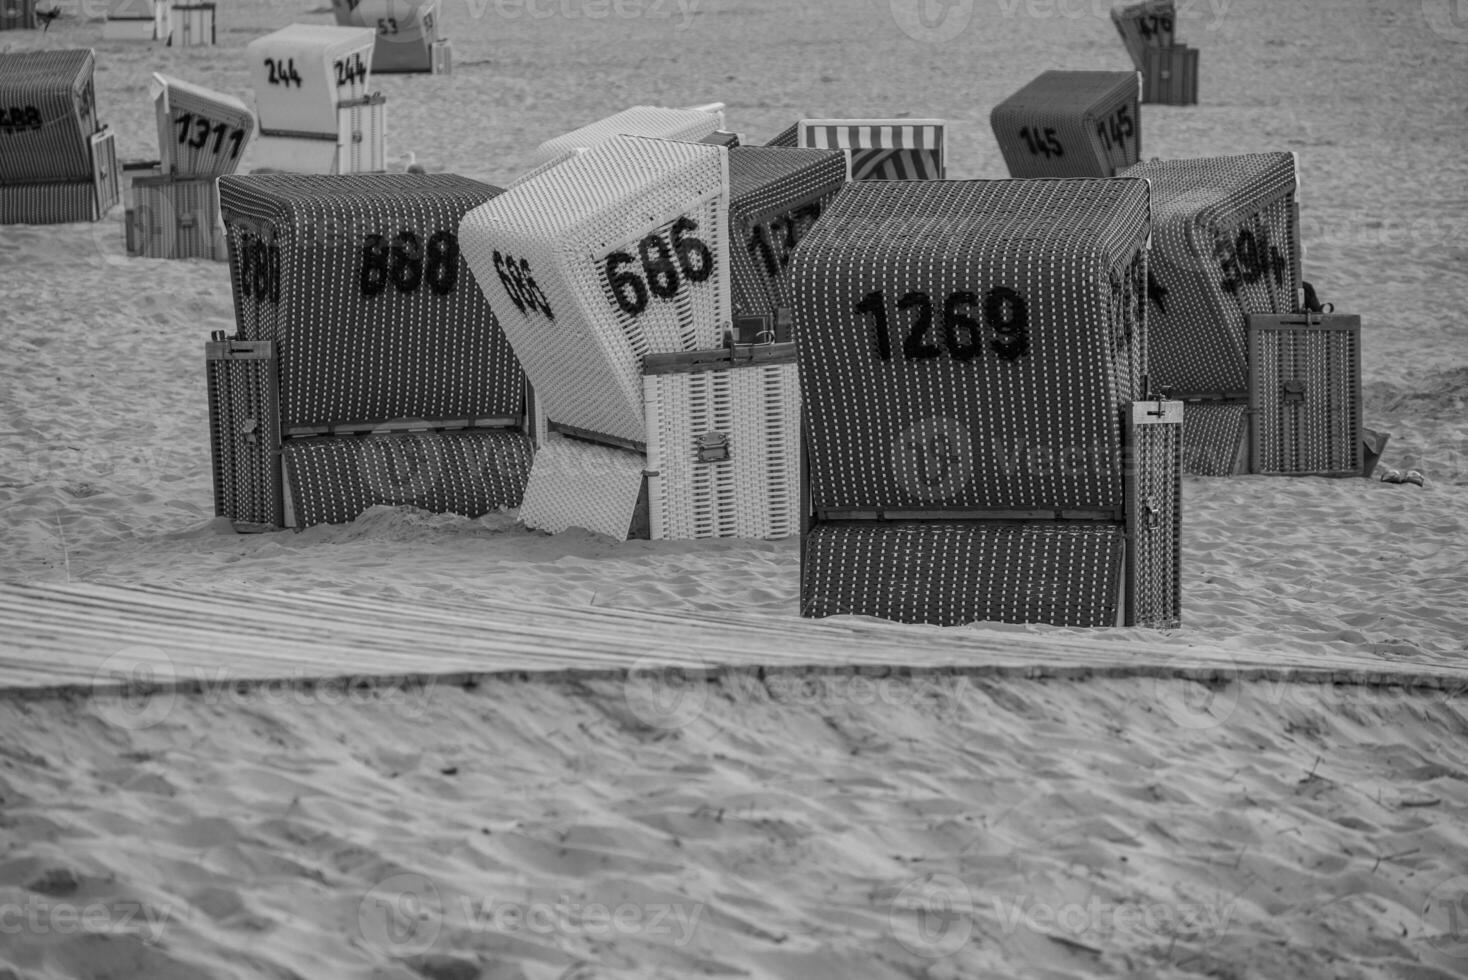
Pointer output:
x,y
244,432
470,472
952,573
423,346
1041,429
1318,433
1214,437
1225,245
582,484
313,51
564,230
1154,524
58,85
1160,20
881,149
197,128
178,219
775,195
755,493
789,136
1071,124
642,120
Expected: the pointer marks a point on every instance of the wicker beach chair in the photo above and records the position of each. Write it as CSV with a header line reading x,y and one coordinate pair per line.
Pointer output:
x,y
1071,124
1305,396
138,20
195,25
367,367
881,149
57,163
971,358
18,15
1226,245
610,274
1170,76
407,33
313,98
775,195
1144,26
656,121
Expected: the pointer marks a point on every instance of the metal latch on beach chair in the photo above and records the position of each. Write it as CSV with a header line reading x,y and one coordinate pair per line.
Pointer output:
x,y
1292,392
712,447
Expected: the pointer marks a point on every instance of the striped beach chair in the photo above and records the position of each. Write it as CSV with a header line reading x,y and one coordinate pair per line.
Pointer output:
x,y
1071,124
407,33
57,162
881,149
366,368
610,274
979,444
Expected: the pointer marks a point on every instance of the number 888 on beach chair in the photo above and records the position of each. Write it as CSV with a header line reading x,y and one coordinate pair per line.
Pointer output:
x,y
57,163
610,274
971,358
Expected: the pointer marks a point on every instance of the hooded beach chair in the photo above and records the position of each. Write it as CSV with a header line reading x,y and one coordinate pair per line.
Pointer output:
x,y
1071,124
691,124
138,20
195,25
979,442
407,33
367,367
57,162
610,275
1169,69
881,149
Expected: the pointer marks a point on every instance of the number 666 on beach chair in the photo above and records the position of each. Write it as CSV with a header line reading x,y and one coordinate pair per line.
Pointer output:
x,y
57,163
610,274
979,444
367,368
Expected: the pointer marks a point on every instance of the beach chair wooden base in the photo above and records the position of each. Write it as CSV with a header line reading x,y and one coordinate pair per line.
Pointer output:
x,y
194,25
1170,76
1305,395
949,568
176,218
357,147
59,202
1071,124
267,477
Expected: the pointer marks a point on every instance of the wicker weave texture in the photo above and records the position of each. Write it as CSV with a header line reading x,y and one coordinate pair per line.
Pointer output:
x,y
1306,394
775,196
361,282
302,72
1215,437
881,149
1170,76
178,218
1013,339
201,133
948,573
58,202
54,95
1071,124
406,31
642,120
789,136
333,479
617,253
1145,25
244,432
582,484
755,492
1225,245
18,15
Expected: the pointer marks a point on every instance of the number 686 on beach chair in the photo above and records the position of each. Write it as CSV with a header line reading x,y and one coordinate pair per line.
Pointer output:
x,y
979,442
57,163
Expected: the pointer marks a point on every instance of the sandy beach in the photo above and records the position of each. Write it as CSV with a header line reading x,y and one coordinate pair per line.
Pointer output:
x,y
939,824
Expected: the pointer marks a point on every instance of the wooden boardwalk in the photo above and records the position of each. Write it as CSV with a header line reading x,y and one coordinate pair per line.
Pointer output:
x,y
86,638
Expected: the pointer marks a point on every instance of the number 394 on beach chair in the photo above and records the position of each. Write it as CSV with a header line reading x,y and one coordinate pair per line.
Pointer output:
x,y
202,135
1226,253
317,112
971,359
610,274
1071,124
57,163
367,367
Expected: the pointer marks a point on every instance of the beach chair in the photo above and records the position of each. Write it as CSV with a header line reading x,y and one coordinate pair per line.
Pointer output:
x,y
57,163
775,195
789,136
138,20
610,274
407,33
1226,249
194,25
881,149
1145,26
313,98
1170,76
1071,124
366,367
17,15
656,121
979,440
